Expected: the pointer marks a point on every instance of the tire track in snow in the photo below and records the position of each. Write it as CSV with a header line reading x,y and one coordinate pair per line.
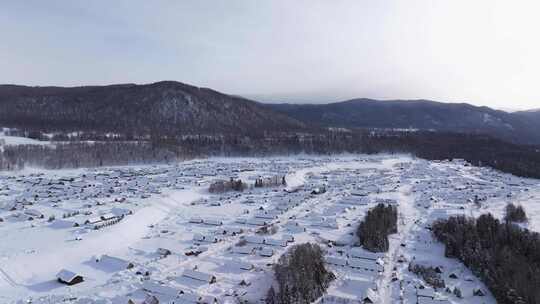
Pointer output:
x,y
7,278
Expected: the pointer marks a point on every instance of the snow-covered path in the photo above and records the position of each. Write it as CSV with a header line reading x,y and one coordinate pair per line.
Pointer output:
x,y
406,218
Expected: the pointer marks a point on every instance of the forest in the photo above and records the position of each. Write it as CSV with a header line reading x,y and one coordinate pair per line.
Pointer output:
x,y
505,256
478,150
379,223
301,276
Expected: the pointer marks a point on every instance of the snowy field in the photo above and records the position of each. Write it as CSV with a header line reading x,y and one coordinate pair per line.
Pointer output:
x,y
130,232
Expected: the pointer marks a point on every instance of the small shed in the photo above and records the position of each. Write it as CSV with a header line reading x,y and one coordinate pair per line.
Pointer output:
x,y
163,252
68,277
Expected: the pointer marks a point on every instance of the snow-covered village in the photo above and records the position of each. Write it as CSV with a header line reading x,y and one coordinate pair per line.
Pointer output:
x,y
269,152
214,230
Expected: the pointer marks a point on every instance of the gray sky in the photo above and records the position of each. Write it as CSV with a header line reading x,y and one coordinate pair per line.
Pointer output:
x,y
485,52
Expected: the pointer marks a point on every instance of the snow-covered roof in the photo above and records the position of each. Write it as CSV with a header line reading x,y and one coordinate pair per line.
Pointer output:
x,y
257,222
254,239
335,261
158,288
108,216
243,249
425,292
199,276
365,264
66,275
213,222
423,300
188,298
33,212
266,252
114,262
360,253
276,242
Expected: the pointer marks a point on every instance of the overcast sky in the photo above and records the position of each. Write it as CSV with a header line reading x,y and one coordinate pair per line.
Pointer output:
x,y
485,52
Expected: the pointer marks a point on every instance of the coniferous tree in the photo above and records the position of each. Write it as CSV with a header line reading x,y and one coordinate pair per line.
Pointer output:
x,y
379,223
505,256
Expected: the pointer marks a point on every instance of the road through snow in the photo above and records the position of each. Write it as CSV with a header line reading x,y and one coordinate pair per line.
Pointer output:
x,y
406,218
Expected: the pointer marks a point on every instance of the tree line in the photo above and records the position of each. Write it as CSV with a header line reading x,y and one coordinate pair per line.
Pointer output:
x,y
478,150
505,256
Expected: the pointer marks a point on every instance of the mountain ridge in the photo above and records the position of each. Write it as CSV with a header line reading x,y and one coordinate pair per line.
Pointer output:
x,y
165,107
417,114
173,108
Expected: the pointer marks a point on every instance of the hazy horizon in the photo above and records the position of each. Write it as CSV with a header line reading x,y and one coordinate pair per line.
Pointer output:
x,y
482,52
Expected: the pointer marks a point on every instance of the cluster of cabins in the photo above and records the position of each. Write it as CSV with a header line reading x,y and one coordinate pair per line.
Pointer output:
x,y
260,245
38,196
358,259
99,191
105,262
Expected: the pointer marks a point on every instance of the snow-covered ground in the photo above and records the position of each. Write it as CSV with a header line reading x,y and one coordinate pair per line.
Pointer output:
x,y
148,230
16,140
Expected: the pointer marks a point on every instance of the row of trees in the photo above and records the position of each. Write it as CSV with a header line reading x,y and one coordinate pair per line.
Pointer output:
x,y
379,223
505,256
221,186
301,276
85,154
429,274
274,181
478,150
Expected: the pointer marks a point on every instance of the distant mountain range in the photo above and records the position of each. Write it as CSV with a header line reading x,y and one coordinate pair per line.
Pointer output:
x,y
173,108
521,127
530,114
164,107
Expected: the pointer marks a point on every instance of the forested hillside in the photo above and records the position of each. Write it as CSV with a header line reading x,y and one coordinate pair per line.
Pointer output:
x,y
134,111
169,121
418,114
